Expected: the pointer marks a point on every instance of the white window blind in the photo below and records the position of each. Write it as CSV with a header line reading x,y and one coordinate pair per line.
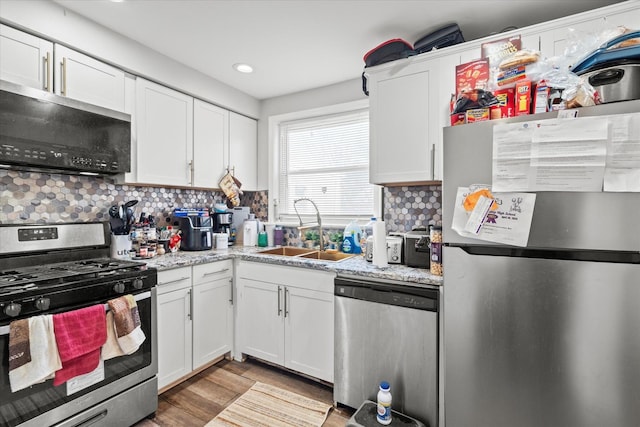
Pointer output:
x,y
326,159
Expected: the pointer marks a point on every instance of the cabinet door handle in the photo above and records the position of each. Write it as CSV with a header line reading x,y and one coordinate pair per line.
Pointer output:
x,y
279,309
173,281
47,71
215,272
191,172
433,162
63,66
231,288
286,306
190,304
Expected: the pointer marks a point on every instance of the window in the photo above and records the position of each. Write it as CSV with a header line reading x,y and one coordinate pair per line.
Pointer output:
x,y
326,159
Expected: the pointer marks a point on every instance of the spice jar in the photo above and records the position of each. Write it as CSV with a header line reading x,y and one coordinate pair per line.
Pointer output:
x,y
435,249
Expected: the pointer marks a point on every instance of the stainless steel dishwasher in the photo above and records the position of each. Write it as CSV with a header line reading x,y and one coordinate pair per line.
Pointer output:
x,y
387,331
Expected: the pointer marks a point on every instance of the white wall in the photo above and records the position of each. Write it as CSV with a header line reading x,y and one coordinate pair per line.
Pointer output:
x,y
51,21
339,93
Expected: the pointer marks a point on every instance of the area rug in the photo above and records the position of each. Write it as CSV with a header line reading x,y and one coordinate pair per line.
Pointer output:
x,y
269,406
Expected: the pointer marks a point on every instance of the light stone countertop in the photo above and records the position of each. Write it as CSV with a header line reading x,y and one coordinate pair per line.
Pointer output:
x,y
356,266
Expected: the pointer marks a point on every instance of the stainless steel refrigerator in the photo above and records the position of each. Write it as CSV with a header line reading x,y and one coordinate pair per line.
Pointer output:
x,y
547,334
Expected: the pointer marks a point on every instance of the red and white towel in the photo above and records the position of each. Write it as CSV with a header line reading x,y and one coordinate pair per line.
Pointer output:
x,y
33,352
79,335
124,334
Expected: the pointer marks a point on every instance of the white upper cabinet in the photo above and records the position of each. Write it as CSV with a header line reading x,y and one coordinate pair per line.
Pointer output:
x,y
243,150
25,59
81,77
210,144
554,40
403,133
164,127
183,141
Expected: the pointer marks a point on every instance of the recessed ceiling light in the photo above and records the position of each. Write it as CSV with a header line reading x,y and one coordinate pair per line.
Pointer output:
x,y
243,68
117,1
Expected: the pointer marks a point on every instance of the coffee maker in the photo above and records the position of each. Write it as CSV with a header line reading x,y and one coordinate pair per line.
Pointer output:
x,y
222,222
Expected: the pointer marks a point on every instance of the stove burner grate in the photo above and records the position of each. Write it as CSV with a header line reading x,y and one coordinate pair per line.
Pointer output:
x,y
66,272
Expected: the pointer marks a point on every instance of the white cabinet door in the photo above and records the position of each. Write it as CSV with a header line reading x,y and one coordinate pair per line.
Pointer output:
x,y
164,135
81,77
285,316
243,150
210,144
174,336
554,41
260,319
402,123
309,332
212,311
25,59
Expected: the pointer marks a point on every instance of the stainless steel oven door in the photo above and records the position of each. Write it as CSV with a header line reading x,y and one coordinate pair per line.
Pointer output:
x,y
43,404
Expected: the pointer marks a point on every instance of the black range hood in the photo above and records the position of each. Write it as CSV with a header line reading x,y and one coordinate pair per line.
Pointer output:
x,y
46,132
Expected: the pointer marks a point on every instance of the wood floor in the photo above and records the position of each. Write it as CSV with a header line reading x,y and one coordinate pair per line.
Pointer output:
x,y
196,401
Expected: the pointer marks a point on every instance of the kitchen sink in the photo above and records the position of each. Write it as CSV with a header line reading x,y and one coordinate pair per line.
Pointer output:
x,y
325,256
286,251
293,251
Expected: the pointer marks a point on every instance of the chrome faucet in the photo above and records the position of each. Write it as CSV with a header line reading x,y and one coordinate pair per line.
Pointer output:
x,y
304,226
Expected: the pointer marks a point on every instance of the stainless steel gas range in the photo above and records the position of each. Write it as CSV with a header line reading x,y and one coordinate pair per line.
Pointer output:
x,y
58,268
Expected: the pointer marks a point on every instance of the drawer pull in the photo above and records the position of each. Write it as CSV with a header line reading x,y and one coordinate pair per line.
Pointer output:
x,y
174,281
215,272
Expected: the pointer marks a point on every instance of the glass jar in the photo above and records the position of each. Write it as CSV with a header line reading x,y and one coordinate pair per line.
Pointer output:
x,y
435,249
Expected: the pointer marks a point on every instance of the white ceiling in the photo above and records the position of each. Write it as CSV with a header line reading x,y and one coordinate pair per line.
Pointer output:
x,y
295,45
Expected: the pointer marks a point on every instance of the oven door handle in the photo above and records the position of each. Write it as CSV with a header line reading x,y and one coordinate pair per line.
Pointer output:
x,y
4,330
137,297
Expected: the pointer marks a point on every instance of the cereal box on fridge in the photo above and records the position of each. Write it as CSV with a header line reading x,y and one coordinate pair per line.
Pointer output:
x,y
472,75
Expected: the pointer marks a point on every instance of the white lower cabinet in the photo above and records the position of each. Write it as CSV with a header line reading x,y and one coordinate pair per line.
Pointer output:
x,y
174,325
212,311
285,316
195,318
308,331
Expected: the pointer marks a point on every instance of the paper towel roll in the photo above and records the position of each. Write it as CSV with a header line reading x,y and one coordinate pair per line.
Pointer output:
x,y
379,245
269,228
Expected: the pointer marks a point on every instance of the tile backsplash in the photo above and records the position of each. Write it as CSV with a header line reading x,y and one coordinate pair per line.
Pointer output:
x,y
404,208
34,197
408,207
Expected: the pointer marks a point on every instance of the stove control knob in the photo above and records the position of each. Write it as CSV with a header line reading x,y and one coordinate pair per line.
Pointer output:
x,y
137,283
43,303
119,288
12,309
